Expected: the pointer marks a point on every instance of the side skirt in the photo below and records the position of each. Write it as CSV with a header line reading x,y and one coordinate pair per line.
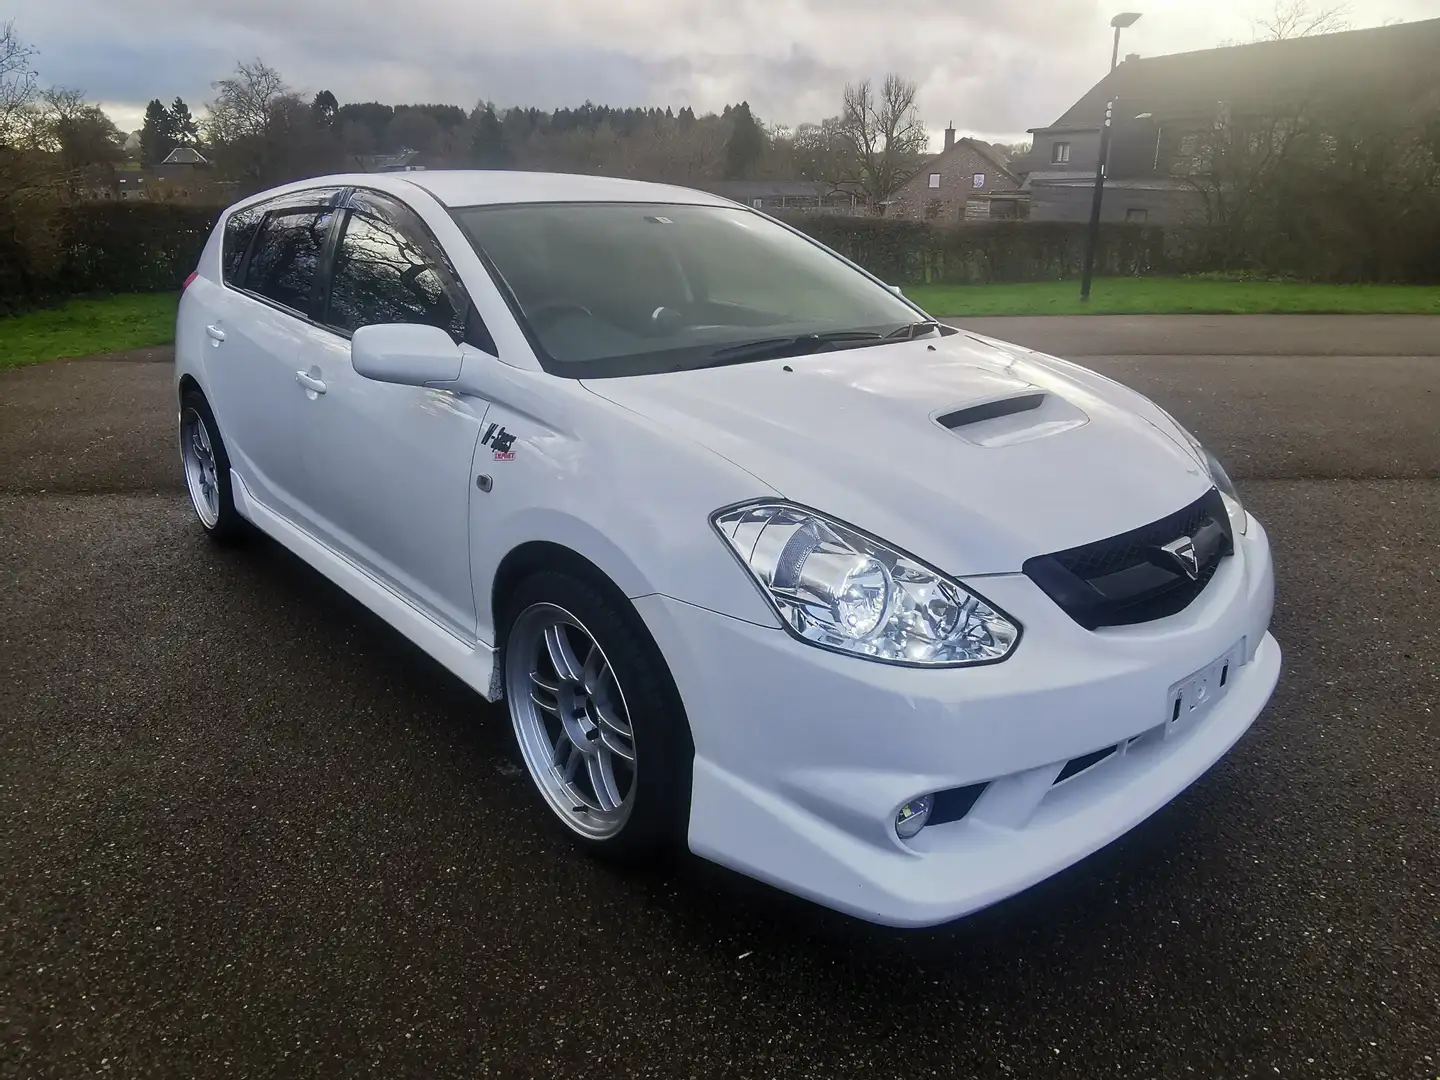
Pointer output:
x,y
474,664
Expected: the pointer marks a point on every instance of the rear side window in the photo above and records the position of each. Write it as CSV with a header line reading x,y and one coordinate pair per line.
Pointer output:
x,y
239,231
388,269
286,254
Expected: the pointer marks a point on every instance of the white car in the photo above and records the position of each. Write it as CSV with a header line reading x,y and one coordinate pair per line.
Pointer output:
x,y
761,558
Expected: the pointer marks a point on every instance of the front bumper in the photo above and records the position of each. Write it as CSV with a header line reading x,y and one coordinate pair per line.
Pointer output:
x,y
803,757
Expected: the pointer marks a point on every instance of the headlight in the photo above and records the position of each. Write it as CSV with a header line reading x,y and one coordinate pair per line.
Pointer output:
x,y
837,588
1218,476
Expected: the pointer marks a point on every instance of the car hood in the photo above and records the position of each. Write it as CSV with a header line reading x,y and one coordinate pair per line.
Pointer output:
x,y
971,454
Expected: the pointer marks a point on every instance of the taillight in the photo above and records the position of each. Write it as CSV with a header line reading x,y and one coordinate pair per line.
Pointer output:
x,y
193,275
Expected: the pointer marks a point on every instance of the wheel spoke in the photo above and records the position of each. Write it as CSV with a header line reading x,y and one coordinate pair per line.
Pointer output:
x,y
572,760
602,778
613,743
545,684
595,669
610,717
562,655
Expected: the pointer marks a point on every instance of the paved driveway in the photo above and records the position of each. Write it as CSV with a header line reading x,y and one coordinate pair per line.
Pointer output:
x,y
246,831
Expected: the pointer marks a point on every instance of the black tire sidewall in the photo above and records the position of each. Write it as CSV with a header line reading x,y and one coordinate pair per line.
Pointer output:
x,y
664,750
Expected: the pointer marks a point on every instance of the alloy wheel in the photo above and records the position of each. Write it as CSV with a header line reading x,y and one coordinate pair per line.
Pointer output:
x,y
201,476
571,720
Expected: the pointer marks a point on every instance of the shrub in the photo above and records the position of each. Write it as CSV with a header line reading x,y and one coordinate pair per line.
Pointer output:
x,y
978,253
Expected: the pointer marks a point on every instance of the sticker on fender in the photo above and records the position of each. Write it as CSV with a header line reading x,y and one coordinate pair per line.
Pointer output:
x,y
500,441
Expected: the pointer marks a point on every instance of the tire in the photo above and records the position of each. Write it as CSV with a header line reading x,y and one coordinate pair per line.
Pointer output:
x,y
206,468
609,694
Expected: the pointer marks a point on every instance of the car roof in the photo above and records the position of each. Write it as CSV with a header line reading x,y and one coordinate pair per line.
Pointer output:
x,y
478,187
484,187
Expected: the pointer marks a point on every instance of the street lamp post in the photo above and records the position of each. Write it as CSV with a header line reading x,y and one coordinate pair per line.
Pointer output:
x,y
1092,238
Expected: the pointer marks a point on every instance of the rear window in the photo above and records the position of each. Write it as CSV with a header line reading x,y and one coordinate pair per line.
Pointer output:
x,y
239,231
287,251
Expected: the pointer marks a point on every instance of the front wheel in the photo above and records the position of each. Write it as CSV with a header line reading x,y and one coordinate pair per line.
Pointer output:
x,y
597,717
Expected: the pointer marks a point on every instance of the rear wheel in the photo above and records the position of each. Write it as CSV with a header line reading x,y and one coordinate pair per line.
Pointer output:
x,y
207,469
597,718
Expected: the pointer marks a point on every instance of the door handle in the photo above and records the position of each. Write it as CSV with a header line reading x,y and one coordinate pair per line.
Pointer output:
x,y
216,334
309,382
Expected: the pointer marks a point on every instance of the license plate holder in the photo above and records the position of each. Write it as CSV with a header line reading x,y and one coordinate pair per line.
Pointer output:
x,y
1194,696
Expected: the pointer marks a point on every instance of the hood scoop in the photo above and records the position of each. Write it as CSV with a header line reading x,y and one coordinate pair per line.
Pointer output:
x,y
1015,418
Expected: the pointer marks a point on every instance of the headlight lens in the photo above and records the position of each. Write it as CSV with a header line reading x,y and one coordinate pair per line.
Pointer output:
x,y
839,589
1218,476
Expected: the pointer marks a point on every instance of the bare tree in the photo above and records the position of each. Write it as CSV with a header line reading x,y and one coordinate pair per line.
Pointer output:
x,y
262,133
79,137
18,90
1300,18
885,138
244,103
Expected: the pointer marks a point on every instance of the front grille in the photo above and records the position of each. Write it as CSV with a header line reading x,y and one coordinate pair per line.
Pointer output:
x,y
1129,578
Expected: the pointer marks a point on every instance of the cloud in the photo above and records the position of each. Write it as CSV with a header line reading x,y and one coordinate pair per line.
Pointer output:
x,y
990,66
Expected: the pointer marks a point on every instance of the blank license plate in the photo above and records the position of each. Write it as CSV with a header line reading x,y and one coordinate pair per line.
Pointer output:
x,y
1192,697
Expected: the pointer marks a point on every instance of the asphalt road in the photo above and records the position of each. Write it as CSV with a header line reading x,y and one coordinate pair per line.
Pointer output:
x,y
247,831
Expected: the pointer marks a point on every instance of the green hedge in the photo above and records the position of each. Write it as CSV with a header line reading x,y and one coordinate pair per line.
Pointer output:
x,y
99,247
979,253
117,247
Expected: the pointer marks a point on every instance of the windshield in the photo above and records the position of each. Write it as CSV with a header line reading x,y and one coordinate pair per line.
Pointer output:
x,y
633,288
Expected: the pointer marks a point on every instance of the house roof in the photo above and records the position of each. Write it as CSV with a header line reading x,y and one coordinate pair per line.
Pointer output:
x,y
184,155
1385,61
995,158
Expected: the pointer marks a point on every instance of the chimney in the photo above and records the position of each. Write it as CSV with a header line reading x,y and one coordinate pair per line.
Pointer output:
x,y
1131,56
950,135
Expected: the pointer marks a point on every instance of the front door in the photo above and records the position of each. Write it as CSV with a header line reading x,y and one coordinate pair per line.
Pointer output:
x,y
386,468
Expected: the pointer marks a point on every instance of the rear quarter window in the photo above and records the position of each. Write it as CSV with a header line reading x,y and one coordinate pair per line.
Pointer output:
x,y
239,231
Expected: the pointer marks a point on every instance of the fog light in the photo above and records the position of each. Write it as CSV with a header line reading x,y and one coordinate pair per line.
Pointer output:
x,y
913,815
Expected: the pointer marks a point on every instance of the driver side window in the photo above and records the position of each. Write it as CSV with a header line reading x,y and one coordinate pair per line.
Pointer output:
x,y
388,269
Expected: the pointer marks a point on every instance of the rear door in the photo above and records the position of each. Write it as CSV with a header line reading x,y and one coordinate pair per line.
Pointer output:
x,y
258,340
387,468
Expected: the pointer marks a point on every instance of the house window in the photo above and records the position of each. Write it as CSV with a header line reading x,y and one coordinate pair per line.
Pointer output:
x,y
759,204
1060,153
934,179
1188,145
1138,217
978,179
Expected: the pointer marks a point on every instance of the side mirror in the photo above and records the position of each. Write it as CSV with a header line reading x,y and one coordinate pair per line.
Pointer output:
x,y
410,354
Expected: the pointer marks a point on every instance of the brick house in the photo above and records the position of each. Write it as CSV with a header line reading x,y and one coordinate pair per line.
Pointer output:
x,y
969,179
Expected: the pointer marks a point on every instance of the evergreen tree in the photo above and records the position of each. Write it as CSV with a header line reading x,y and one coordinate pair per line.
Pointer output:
x,y
747,142
184,131
325,110
488,149
155,139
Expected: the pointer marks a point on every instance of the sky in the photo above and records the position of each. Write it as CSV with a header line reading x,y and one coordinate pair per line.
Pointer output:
x,y
992,67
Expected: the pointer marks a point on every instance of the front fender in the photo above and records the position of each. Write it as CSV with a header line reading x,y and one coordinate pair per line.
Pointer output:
x,y
627,494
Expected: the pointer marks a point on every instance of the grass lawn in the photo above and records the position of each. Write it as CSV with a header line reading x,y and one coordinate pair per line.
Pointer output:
x,y
1176,296
137,320
83,327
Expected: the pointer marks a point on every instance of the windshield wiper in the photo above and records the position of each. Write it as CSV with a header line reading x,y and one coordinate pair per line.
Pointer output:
x,y
912,330
774,348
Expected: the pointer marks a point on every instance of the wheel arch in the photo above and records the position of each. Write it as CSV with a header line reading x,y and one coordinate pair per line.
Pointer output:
x,y
534,556
188,383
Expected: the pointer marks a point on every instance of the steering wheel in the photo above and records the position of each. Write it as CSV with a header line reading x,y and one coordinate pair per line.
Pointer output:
x,y
553,310
666,320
